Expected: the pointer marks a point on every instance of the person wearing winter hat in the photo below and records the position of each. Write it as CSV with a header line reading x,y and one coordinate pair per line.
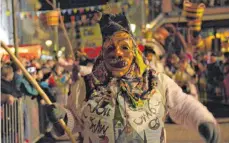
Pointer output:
x,y
123,100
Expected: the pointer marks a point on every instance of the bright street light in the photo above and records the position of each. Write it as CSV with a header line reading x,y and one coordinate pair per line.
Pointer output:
x,y
62,49
48,43
133,27
148,26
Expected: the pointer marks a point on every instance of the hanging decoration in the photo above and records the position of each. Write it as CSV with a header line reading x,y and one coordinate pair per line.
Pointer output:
x,y
36,18
75,10
22,15
8,13
87,9
92,8
70,11
194,13
81,16
52,18
64,11
73,19
82,10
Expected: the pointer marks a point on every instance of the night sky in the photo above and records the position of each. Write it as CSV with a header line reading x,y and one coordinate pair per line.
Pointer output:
x,y
64,4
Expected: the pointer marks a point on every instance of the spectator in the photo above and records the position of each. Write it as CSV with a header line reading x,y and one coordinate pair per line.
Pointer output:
x,y
59,82
8,94
171,65
153,60
42,79
27,90
7,85
150,56
36,64
214,77
200,68
226,78
48,66
43,82
25,86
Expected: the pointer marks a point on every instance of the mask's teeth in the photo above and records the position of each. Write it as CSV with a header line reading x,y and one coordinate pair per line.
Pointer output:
x,y
113,61
125,63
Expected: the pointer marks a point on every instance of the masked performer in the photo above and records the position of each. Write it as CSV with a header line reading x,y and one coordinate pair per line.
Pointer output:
x,y
124,101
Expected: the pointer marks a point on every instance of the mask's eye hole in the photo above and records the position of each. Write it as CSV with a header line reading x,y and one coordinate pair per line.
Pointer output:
x,y
125,47
110,48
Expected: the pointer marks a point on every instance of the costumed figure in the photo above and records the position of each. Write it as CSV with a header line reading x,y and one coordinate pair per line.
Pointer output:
x,y
171,65
185,78
153,59
124,101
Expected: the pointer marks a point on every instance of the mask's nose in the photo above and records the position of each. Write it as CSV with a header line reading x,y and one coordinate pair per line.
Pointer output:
x,y
118,52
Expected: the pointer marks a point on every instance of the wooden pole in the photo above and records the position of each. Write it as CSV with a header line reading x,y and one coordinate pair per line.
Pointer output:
x,y
37,87
15,32
66,36
56,38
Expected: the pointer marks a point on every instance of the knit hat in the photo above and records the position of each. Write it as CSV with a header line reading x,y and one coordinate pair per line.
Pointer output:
x,y
109,24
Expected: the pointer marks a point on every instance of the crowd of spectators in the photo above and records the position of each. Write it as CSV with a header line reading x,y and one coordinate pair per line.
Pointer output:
x,y
53,76
203,75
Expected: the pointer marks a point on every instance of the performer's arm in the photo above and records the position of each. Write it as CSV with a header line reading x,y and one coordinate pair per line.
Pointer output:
x,y
75,103
183,108
71,112
187,111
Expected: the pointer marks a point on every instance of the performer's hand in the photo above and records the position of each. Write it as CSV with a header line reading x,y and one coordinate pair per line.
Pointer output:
x,y
55,112
75,72
210,132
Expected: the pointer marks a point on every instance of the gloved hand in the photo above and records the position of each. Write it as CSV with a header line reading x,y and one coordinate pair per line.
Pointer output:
x,y
55,112
210,132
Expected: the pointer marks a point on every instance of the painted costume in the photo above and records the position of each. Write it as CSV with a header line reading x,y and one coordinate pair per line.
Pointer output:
x,y
130,108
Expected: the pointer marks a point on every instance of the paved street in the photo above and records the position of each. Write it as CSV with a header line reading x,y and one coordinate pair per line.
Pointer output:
x,y
178,134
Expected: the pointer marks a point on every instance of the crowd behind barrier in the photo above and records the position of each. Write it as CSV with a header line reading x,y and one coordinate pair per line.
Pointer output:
x,y
23,116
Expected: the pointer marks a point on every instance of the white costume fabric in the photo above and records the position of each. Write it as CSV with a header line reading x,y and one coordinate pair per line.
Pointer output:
x,y
99,122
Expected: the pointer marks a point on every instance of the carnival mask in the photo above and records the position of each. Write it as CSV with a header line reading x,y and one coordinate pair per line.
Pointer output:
x,y
118,53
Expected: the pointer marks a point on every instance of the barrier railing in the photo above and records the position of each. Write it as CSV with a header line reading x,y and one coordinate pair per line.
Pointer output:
x,y
12,123
24,120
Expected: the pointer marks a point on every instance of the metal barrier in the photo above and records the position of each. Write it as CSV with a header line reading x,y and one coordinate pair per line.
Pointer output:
x,y
35,122
25,119
12,123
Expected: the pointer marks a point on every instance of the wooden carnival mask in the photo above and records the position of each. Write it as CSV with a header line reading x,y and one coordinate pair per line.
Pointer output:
x,y
118,53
